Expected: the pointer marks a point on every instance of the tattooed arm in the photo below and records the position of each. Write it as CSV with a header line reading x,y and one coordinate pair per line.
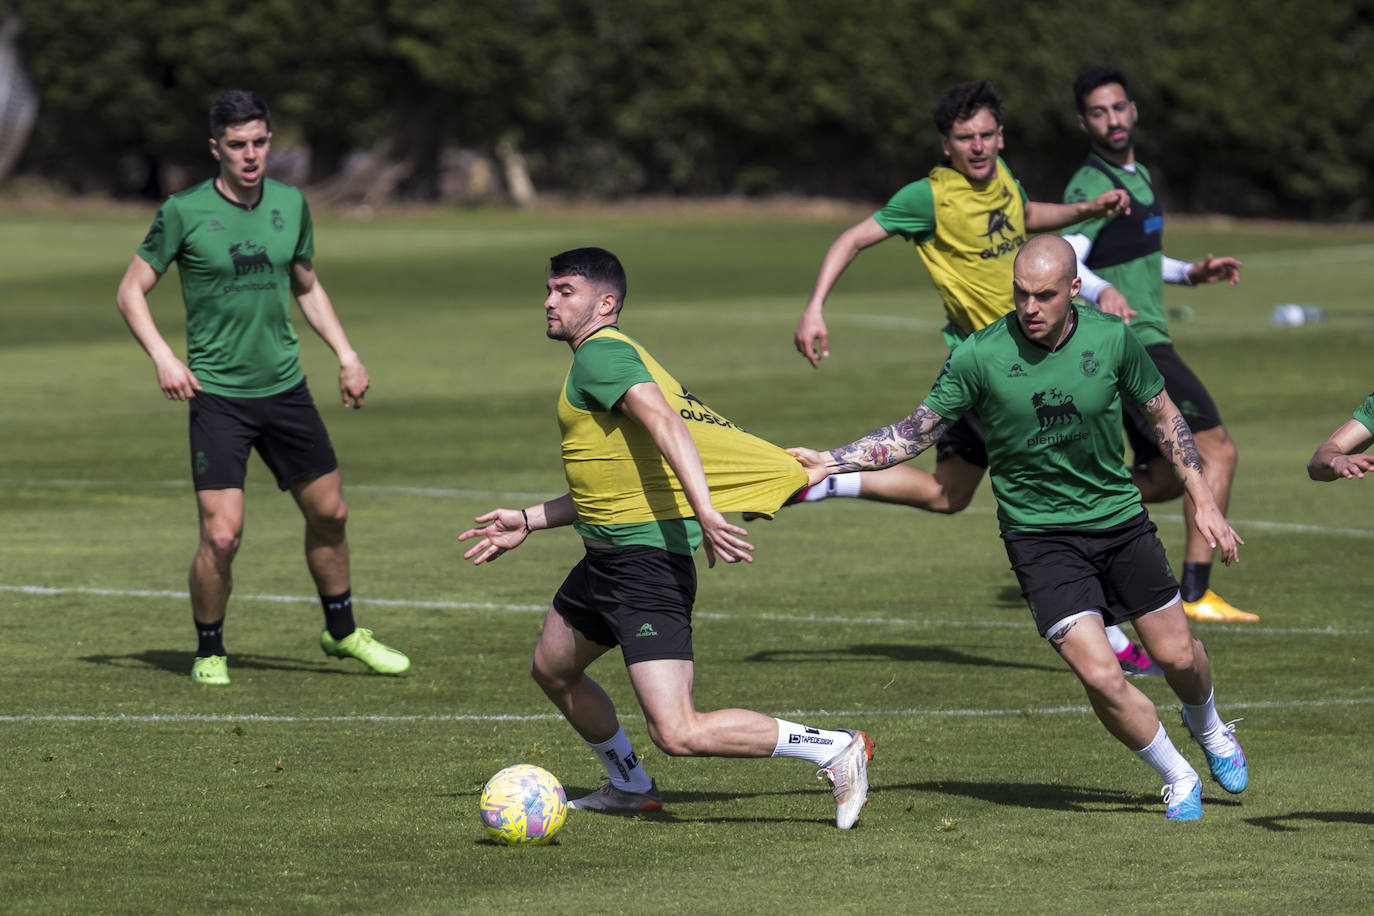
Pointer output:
x,y
1175,441
881,448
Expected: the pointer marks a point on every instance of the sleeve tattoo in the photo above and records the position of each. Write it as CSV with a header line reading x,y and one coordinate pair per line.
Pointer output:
x,y
892,444
1174,438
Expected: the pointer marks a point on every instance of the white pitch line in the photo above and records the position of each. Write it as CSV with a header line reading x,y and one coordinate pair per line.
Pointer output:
x,y
174,718
822,619
503,495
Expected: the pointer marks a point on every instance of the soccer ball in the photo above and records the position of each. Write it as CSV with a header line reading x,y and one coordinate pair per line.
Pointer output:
x,y
523,805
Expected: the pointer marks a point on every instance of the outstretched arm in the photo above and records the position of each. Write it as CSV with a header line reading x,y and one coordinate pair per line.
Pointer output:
x,y
319,312
812,339
881,448
1341,456
1044,217
173,377
645,404
508,528
1176,443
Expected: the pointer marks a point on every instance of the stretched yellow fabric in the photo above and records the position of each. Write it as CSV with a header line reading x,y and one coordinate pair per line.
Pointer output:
x,y
617,475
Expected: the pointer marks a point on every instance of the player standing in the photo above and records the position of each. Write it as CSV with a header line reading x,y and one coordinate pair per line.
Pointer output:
x,y
243,244
1123,269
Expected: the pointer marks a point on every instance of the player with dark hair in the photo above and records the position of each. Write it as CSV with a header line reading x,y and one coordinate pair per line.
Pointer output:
x,y
650,468
1341,456
1048,381
243,244
967,219
1124,269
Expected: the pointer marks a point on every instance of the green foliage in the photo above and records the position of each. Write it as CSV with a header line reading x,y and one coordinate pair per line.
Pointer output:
x,y
1261,108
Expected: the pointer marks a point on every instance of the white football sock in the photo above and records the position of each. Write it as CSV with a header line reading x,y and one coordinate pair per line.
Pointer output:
x,y
621,763
818,745
846,484
1212,733
1165,759
1118,638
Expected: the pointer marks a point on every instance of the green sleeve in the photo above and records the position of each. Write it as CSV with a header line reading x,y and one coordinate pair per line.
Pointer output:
x,y
602,371
162,244
1087,184
910,212
305,245
956,388
1365,413
1139,378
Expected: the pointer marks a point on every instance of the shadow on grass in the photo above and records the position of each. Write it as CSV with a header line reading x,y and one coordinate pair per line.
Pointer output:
x,y
1054,797
179,663
1277,823
896,652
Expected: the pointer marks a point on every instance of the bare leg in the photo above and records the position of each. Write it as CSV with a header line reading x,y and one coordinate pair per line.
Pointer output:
x,y
1171,645
664,688
326,542
1125,712
211,576
560,659
948,490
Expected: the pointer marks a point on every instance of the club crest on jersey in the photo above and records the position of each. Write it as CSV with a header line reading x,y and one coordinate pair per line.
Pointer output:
x,y
277,222
1089,364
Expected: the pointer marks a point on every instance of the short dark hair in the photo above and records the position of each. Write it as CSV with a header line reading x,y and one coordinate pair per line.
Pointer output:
x,y
597,265
237,106
964,101
1095,78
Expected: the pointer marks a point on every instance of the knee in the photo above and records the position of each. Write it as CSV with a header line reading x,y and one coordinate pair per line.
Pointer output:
x,y
1177,658
675,740
221,541
1218,451
330,518
1103,680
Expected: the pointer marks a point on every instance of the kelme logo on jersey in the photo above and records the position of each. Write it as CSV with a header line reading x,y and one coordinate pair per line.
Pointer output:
x,y
249,258
1016,371
1089,364
277,222
701,415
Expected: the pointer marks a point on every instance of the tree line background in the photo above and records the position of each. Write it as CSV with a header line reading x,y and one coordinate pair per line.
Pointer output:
x,y
1248,107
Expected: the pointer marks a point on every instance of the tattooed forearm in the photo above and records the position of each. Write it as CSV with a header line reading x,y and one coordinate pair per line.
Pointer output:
x,y
891,444
1174,438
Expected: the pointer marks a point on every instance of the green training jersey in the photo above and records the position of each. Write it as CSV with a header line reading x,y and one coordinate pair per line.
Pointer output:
x,y
235,267
1052,419
1365,413
1139,278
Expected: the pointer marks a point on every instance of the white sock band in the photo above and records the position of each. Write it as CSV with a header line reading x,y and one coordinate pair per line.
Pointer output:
x,y
621,764
818,745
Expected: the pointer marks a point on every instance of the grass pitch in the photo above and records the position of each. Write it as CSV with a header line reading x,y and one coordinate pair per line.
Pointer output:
x,y
311,787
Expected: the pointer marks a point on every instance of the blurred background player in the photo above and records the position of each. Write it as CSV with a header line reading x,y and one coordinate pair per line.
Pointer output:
x,y
1079,540
647,482
1123,269
966,219
1341,456
243,244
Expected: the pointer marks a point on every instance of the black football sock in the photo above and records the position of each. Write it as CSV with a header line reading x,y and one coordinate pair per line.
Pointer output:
x,y
338,614
1195,579
210,638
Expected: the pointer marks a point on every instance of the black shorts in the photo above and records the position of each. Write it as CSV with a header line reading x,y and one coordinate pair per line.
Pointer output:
x,y
639,598
1120,572
285,428
1185,390
965,439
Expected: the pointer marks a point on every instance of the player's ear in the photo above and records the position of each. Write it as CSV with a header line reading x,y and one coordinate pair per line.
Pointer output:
x,y
214,148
